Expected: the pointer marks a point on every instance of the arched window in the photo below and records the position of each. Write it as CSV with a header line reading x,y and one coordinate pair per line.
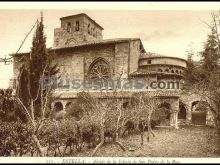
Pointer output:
x,y
125,104
177,71
89,29
160,70
99,69
68,27
182,111
167,70
93,32
77,26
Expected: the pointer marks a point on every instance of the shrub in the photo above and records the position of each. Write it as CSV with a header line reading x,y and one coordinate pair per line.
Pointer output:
x,y
14,137
74,110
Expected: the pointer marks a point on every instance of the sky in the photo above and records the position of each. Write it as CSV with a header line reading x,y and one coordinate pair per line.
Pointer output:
x,y
167,32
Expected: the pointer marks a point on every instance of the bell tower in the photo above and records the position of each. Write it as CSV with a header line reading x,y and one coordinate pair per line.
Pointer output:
x,y
76,29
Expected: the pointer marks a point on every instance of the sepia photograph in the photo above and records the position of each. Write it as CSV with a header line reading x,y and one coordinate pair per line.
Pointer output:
x,y
104,82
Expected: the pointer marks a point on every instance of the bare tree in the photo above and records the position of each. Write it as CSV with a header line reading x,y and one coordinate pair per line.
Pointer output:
x,y
95,110
145,104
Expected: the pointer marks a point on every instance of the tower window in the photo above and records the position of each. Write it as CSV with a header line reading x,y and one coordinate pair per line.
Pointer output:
x,y
89,29
77,26
93,31
68,27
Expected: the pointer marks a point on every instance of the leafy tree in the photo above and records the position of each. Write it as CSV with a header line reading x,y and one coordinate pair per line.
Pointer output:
x,y
207,72
210,56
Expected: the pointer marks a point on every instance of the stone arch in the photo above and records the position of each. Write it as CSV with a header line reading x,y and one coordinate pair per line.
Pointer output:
x,y
194,105
160,70
182,114
172,71
125,104
166,107
58,106
99,69
199,111
177,71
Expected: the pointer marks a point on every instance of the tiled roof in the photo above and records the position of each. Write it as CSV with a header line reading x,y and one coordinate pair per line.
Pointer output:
x,y
149,55
90,43
100,42
143,73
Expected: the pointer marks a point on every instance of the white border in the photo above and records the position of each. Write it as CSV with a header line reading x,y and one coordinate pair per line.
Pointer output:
x,y
113,5
109,6
109,160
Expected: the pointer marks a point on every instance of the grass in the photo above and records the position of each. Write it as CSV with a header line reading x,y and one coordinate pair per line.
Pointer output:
x,y
185,142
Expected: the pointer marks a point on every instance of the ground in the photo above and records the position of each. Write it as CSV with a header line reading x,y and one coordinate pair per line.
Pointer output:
x,y
185,142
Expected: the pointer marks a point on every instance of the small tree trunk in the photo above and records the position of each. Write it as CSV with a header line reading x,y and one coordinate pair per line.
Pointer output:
x,y
142,137
148,130
218,133
118,142
100,144
152,132
39,148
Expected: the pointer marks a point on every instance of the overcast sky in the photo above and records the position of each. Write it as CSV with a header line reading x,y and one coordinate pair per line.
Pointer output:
x,y
165,32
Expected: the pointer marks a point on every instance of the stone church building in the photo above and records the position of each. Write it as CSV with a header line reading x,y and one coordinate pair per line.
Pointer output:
x,y
81,53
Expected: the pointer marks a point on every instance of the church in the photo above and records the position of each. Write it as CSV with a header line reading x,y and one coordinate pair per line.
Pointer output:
x,y
81,54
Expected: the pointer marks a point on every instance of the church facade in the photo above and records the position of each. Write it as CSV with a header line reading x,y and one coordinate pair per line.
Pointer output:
x,y
82,54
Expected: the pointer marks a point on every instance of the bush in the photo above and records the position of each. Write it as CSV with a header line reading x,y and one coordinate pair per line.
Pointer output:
x,y
15,137
9,109
74,110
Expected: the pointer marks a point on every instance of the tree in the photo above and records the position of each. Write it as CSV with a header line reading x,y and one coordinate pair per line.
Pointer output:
x,y
211,70
31,96
99,112
145,105
207,73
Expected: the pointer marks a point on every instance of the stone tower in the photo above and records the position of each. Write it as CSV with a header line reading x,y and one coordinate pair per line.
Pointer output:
x,y
76,29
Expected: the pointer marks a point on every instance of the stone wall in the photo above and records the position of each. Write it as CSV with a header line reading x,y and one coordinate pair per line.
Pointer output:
x,y
121,60
163,60
134,56
163,68
74,64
